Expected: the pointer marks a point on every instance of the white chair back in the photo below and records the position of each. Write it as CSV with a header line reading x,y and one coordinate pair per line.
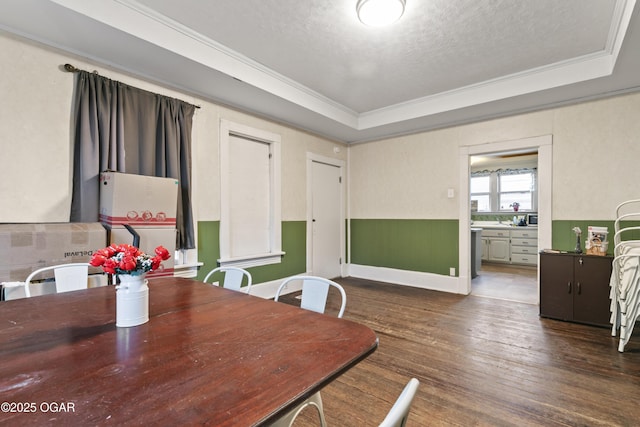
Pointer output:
x,y
233,277
399,412
71,278
314,295
68,277
315,291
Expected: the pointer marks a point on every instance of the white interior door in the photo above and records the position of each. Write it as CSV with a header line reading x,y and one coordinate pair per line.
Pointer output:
x,y
326,220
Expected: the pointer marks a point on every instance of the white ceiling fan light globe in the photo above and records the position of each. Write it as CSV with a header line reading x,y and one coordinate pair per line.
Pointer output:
x,y
377,13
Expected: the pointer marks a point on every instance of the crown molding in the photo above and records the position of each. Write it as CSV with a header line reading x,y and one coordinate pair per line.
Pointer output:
x,y
138,20
144,23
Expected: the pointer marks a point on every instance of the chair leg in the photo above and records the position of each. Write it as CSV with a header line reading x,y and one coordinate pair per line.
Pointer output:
x,y
288,419
316,400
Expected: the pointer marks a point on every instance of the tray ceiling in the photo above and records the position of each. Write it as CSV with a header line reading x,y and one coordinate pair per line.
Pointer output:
x,y
313,65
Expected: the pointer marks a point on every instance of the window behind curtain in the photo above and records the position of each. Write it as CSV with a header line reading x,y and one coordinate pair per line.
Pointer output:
x,y
126,129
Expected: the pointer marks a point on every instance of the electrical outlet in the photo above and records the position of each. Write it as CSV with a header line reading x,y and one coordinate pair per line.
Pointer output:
x,y
452,271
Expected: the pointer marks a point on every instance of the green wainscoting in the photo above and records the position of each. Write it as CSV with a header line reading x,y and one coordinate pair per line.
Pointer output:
x,y
564,239
294,244
208,246
429,245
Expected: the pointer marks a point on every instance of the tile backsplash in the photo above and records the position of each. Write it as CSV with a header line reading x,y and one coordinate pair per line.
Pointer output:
x,y
504,217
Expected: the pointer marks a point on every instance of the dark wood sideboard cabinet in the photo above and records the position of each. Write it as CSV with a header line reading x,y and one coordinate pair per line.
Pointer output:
x,y
575,287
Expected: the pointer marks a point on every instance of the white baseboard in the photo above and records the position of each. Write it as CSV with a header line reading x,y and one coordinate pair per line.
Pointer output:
x,y
267,290
416,279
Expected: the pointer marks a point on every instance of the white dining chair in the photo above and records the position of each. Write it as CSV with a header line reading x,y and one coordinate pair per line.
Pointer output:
x,y
396,417
233,277
315,291
68,277
399,412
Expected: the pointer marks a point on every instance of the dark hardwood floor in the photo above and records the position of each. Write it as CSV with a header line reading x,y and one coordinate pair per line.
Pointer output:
x,y
480,362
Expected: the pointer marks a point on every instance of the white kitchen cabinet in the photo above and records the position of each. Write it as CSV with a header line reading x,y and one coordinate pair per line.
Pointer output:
x,y
524,246
495,245
499,250
510,245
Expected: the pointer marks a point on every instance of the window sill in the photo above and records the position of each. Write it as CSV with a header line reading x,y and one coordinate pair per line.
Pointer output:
x,y
187,270
252,261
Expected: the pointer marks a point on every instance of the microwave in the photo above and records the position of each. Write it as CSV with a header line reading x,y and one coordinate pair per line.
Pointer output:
x,y
532,219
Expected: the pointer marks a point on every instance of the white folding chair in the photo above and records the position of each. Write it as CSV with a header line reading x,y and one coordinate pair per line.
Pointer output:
x,y
315,291
399,412
68,277
232,279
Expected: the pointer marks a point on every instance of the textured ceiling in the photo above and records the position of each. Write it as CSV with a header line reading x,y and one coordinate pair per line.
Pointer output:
x,y
437,46
312,64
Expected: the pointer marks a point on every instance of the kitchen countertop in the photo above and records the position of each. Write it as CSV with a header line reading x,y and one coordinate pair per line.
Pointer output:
x,y
496,225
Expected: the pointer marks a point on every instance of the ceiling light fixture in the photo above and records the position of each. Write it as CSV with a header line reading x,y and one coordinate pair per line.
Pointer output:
x,y
377,13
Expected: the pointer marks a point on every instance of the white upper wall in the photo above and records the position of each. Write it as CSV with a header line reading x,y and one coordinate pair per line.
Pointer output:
x,y
34,134
596,157
36,141
406,177
596,148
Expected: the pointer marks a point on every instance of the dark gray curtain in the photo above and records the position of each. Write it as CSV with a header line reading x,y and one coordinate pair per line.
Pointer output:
x,y
154,131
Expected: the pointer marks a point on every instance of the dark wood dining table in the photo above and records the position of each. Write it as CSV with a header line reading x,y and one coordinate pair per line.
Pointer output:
x,y
207,356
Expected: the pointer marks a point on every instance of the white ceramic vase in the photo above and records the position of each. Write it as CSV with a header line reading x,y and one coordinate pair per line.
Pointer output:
x,y
132,300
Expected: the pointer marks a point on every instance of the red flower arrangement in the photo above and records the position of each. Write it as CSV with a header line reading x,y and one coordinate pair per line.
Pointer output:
x,y
127,259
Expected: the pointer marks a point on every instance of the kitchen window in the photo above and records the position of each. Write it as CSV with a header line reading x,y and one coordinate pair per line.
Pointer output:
x,y
498,190
481,191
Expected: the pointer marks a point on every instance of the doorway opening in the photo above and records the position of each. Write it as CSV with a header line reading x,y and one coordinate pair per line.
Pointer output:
x,y
543,146
504,196
516,283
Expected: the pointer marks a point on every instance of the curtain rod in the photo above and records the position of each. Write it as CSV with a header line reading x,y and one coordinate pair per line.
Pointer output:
x,y
70,68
